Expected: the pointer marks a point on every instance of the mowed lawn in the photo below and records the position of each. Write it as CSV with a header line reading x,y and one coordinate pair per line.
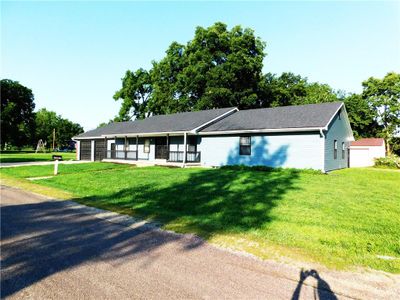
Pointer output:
x,y
26,156
347,219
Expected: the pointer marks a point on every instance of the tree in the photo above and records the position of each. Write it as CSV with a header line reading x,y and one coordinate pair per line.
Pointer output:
x,y
218,68
66,130
361,116
281,90
47,121
17,117
320,93
291,89
135,92
383,96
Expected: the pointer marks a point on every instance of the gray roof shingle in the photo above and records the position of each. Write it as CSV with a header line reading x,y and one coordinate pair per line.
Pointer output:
x,y
185,121
296,116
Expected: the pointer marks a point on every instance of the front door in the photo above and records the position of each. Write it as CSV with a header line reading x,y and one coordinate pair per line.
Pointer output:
x,y
161,148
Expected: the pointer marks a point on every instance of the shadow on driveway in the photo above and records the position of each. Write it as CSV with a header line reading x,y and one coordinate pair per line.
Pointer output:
x,y
41,239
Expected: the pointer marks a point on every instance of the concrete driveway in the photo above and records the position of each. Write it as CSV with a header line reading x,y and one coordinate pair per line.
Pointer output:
x,y
60,250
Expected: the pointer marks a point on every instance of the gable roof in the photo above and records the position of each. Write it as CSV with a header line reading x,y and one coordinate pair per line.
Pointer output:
x,y
179,122
368,142
283,117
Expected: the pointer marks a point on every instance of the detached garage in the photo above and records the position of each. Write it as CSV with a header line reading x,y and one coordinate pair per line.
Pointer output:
x,y
364,151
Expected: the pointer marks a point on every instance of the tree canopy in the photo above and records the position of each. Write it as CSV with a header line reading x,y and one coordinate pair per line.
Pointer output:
x,y
17,116
21,126
383,95
218,68
47,121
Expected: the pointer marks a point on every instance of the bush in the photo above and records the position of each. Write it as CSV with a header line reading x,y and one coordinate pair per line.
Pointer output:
x,y
390,161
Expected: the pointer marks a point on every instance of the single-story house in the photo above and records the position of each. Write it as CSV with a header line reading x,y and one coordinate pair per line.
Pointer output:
x,y
364,151
313,136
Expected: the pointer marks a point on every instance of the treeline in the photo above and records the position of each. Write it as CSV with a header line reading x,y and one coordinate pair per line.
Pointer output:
x,y
223,68
21,126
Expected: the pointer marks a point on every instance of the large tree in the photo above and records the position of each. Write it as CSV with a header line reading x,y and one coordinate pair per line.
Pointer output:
x,y
135,92
361,116
383,96
47,121
218,68
17,117
291,89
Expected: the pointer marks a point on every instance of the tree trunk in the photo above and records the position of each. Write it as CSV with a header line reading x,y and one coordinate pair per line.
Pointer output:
x,y
388,150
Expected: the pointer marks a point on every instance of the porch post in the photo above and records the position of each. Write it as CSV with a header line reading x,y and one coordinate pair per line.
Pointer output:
x,y
184,148
137,147
167,146
105,147
125,149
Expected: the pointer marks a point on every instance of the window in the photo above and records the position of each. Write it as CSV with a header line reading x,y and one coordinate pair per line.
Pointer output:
x,y
245,145
340,114
343,151
146,146
335,149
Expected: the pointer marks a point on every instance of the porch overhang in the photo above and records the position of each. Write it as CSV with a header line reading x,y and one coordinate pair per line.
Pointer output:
x,y
147,134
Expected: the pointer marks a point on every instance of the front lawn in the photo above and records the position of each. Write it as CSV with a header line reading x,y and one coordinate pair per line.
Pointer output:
x,y
27,156
346,219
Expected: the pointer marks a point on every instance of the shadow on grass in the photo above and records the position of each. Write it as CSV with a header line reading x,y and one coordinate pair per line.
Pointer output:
x,y
207,202
41,239
23,159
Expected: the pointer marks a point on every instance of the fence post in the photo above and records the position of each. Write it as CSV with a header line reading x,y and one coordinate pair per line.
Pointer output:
x,y
56,167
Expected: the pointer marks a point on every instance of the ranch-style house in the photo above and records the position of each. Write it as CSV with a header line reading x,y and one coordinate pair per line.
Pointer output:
x,y
315,136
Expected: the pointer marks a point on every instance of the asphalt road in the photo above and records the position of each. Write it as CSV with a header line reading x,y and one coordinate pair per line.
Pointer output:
x,y
59,250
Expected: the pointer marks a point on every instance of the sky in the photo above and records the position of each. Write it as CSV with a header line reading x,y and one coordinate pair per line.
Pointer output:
x,y
74,54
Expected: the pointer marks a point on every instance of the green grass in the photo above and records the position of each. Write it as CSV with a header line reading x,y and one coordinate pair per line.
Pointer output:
x,y
27,156
342,220
63,169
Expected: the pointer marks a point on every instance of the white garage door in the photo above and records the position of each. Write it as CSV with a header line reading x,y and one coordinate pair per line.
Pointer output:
x,y
360,158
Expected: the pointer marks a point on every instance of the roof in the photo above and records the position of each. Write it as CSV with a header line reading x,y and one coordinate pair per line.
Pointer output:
x,y
297,116
185,121
369,142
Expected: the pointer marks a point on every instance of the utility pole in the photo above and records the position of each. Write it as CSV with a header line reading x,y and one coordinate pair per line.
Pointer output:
x,y
54,139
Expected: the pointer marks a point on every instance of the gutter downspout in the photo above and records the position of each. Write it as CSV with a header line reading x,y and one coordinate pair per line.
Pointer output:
x,y
321,131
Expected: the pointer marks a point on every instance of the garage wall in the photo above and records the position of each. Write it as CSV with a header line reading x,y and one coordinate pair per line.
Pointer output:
x,y
360,158
363,156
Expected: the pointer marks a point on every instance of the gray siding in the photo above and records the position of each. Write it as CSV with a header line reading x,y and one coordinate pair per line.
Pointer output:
x,y
301,150
337,130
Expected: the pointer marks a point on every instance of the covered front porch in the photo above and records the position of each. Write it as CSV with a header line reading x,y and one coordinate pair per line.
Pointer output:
x,y
156,148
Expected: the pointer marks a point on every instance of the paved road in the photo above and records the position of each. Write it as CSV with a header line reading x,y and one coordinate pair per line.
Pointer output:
x,y
59,250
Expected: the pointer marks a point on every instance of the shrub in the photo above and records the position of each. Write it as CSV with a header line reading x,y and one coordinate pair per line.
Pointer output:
x,y
390,161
